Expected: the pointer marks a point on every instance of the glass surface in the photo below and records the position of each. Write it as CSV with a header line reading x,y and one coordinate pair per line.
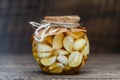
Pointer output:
x,y
64,53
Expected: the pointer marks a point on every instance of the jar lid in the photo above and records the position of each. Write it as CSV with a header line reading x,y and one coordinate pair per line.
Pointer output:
x,y
63,19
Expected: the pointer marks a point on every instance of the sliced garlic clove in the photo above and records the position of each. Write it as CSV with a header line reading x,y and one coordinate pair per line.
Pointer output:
x,y
62,59
49,39
75,59
58,41
60,52
68,43
56,68
48,61
43,47
79,44
44,55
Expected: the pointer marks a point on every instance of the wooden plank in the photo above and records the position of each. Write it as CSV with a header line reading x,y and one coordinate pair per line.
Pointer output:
x,y
23,66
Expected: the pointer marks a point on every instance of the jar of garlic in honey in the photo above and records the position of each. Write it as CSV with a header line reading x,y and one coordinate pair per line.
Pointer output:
x,y
60,44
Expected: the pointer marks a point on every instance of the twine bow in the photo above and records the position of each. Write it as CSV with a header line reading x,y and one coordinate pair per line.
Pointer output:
x,y
46,25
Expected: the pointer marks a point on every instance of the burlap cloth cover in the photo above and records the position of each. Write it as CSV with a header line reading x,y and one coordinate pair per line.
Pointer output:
x,y
52,25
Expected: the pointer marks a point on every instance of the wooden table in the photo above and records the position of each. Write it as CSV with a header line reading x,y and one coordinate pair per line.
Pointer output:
x,y
23,67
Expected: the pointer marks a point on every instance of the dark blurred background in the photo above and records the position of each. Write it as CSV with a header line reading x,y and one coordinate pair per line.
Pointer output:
x,y
100,17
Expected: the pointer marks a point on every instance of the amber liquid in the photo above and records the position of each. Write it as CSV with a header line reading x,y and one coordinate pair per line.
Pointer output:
x,y
58,67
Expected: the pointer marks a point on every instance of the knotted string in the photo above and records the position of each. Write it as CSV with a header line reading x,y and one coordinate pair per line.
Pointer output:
x,y
46,25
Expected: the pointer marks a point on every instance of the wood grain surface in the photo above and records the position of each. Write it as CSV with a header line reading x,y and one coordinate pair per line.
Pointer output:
x,y
24,67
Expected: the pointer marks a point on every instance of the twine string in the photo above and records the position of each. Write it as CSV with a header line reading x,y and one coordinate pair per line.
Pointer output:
x,y
46,26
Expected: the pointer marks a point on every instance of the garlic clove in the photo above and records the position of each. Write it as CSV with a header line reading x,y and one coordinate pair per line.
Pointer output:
x,y
75,59
48,61
62,59
44,55
68,43
86,50
43,47
56,68
60,52
79,44
58,41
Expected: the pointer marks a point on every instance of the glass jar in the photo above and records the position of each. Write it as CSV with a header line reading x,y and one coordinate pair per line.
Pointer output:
x,y
62,52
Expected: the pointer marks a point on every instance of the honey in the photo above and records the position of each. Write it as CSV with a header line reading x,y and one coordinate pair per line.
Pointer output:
x,y
62,52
